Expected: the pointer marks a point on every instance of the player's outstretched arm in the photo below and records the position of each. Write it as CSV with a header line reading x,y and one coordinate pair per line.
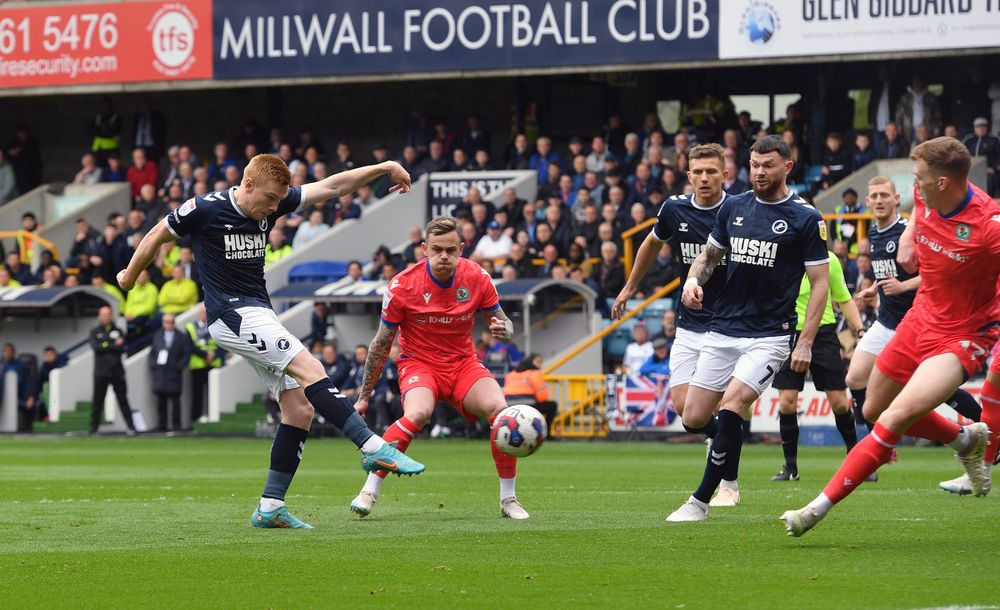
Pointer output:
x,y
644,259
501,327
347,182
144,254
819,292
701,270
378,351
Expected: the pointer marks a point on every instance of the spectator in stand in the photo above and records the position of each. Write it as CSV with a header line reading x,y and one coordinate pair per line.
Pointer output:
x,y
338,369
836,160
562,228
551,185
864,153
178,294
918,106
664,270
111,255
741,152
637,352
470,239
205,356
435,161
460,161
982,144
135,227
169,356
655,140
614,135
847,230
25,154
671,183
409,160
416,238
682,144
51,360
657,366
170,173
419,132
519,156
25,394
519,261
365,196
220,162
187,266
114,172
632,154
149,130
108,343
476,137
100,283
277,248
6,281
142,172
319,324
140,306
186,155
185,177
310,230
150,205
893,145
310,158
493,245
598,155
444,136
654,156
921,135
640,184
308,138
951,130
543,237
8,181
355,377
668,326
89,172
587,227
733,184
550,259
344,207
105,130
232,176
608,277
542,158
249,152
526,385
355,271
579,170
84,243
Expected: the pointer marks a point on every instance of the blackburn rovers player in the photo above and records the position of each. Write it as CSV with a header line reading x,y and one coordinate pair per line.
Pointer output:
x,y
770,237
229,231
687,220
944,338
433,306
896,287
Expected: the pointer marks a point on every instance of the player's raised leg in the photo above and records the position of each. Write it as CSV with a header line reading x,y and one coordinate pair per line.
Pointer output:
x,y
485,399
909,412
286,453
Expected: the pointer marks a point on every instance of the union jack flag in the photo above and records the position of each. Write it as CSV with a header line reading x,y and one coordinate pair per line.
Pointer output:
x,y
643,402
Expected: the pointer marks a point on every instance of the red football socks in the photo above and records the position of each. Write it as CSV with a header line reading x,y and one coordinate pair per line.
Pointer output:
x,y
861,462
935,427
989,396
506,464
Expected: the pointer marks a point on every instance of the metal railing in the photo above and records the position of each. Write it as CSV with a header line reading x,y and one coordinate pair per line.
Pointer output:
x,y
627,249
582,406
23,237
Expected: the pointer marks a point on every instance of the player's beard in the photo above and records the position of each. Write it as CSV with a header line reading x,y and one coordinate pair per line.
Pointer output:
x,y
768,192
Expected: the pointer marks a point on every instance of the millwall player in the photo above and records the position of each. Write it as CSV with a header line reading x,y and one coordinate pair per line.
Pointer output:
x,y
229,231
688,220
771,237
943,339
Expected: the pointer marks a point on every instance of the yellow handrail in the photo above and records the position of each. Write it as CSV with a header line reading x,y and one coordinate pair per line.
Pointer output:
x,y
582,408
627,242
34,237
662,292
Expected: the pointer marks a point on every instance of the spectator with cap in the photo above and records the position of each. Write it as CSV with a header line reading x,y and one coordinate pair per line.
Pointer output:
x,y
847,230
981,143
657,366
494,244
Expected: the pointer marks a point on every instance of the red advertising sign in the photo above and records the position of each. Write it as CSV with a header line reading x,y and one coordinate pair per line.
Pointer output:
x,y
79,44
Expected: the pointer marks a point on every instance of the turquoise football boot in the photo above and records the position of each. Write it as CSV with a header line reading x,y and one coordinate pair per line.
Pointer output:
x,y
279,517
390,459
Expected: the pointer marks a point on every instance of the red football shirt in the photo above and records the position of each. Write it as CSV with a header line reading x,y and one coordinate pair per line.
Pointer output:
x,y
959,256
435,320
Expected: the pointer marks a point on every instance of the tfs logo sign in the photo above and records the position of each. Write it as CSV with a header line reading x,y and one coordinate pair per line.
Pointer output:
x,y
172,31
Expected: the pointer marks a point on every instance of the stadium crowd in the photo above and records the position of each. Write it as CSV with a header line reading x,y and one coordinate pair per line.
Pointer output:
x,y
594,189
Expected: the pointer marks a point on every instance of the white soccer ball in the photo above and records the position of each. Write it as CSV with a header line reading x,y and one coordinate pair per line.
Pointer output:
x,y
519,430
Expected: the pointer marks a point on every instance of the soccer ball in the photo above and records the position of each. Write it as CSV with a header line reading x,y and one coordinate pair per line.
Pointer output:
x,y
518,430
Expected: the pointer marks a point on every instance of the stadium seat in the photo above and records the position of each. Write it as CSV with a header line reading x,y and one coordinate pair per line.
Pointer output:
x,y
814,174
317,271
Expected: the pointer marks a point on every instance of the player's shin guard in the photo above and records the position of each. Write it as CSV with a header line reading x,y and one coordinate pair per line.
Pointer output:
x,y
506,464
726,446
845,425
861,462
935,427
990,395
788,425
965,405
401,432
286,452
336,409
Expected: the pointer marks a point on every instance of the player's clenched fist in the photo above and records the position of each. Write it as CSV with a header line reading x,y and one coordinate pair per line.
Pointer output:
x,y
692,295
123,281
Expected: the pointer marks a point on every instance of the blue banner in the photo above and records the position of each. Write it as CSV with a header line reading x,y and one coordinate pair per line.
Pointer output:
x,y
264,39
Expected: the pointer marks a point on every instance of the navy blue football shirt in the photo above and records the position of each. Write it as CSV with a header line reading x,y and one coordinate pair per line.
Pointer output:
x,y
769,245
228,247
884,245
689,225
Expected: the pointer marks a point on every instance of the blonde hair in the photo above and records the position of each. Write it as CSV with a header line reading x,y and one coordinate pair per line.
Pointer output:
x,y
883,180
442,225
268,168
945,156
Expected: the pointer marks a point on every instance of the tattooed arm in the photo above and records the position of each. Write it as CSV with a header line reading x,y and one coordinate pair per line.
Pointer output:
x,y
701,270
378,351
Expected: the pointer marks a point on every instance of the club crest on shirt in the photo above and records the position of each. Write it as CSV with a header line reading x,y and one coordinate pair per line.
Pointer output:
x,y
462,294
263,224
779,226
890,247
283,344
963,232
414,379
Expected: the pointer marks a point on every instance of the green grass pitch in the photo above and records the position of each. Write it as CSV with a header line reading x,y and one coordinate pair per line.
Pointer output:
x,y
164,522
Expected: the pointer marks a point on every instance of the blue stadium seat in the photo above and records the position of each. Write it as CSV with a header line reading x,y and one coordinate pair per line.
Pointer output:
x,y
814,174
317,271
